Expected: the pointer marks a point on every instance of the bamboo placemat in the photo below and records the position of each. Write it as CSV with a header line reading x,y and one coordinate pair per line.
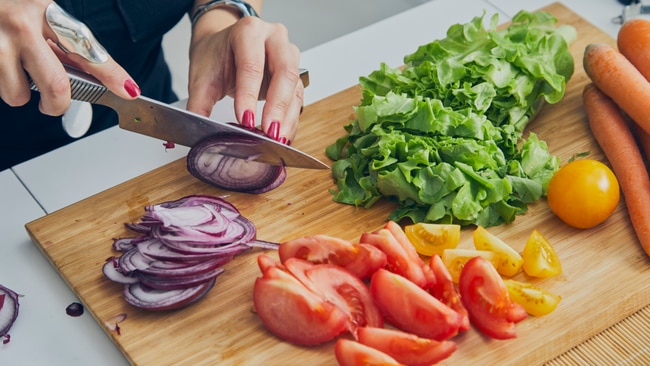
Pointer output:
x,y
624,343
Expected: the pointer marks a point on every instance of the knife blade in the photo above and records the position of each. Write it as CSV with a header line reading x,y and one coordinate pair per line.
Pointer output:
x,y
163,121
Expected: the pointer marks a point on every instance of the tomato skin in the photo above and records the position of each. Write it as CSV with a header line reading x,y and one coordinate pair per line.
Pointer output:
x,y
406,348
430,239
535,300
361,260
295,314
414,310
445,291
351,353
583,193
401,255
308,304
540,258
486,299
510,261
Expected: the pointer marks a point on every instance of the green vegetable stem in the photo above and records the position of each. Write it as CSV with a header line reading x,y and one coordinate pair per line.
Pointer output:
x,y
443,136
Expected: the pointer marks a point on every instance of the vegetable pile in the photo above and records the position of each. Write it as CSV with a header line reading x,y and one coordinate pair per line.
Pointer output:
x,y
617,110
444,135
325,288
182,248
9,306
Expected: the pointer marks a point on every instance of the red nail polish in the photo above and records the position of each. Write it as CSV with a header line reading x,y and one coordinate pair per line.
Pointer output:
x,y
285,141
248,119
132,88
274,130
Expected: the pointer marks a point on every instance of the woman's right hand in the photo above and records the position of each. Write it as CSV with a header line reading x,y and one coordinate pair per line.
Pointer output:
x,y
28,46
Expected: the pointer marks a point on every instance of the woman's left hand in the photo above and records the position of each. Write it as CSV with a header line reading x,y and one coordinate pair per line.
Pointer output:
x,y
249,60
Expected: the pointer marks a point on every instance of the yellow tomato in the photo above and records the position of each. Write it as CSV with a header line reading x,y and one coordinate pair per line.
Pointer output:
x,y
455,259
430,239
535,300
583,193
510,261
540,258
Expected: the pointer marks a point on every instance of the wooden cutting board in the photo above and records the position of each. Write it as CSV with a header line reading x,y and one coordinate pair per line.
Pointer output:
x,y
606,275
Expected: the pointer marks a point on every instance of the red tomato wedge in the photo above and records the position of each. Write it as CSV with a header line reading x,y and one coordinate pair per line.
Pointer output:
x,y
445,290
406,348
486,299
403,259
308,304
411,308
361,260
351,353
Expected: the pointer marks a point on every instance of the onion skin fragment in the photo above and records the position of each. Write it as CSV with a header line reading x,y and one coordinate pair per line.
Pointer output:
x,y
9,306
206,163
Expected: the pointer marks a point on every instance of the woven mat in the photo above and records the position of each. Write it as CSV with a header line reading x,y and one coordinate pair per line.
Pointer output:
x,y
624,343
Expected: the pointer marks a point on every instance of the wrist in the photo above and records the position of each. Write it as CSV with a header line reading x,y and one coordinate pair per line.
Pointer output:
x,y
235,7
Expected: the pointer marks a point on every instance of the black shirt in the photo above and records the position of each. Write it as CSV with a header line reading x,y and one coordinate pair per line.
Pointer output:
x,y
132,32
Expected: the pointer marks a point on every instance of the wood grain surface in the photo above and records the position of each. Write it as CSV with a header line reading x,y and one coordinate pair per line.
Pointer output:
x,y
606,275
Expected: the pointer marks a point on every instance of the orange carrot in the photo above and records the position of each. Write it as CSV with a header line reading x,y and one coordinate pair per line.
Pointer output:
x,y
643,139
611,130
615,76
634,43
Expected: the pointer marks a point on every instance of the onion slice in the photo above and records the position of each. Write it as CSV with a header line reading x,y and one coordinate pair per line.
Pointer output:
x,y
9,306
206,162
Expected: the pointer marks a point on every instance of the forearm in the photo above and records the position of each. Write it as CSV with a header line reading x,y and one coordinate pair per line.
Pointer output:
x,y
218,18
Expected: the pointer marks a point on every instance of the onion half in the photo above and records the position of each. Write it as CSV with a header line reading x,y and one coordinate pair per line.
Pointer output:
x,y
181,248
206,163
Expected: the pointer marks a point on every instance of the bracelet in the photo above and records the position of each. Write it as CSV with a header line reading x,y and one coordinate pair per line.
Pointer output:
x,y
244,8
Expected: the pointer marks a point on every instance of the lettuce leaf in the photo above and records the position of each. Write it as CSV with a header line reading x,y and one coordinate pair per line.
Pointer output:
x,y
443,136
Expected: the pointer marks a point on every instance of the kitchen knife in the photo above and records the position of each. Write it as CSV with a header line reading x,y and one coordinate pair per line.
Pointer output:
x,y
163,121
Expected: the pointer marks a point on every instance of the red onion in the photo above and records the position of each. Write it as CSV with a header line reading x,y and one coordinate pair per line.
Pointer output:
x,y
75,309
8,311
182,248
206,162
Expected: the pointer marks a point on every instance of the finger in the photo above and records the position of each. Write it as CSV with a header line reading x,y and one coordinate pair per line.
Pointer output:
x,y
204,92
283,87
14,87
109,73
249,54
289,124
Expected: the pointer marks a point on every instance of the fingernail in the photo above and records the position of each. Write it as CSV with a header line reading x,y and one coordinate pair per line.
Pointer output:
x,y
248,119
274,130
285,141
132,88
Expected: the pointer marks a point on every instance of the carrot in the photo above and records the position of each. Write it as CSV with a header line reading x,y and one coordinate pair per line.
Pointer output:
x,y
643,139
633,42
615,76
611,130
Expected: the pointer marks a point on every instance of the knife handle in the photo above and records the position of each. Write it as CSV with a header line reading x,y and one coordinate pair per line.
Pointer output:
x,y
84,87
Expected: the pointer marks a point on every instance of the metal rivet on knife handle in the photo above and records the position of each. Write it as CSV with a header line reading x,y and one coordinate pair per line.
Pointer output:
x,y
74,36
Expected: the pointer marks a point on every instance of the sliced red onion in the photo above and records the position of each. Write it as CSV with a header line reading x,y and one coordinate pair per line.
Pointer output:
x,y
145,297
182,248
9,306
206,162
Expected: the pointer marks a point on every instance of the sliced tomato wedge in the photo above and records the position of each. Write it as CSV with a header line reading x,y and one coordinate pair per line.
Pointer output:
x,y
406,348
402,257
540,258
486,299
292,312
535,300
351,353
445,290
361,260
308,304
337,286
411,308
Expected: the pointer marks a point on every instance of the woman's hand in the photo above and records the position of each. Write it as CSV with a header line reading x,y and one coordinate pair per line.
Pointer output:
x,y
249,60
28,46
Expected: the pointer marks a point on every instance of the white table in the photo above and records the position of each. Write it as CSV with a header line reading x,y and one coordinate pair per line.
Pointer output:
x,y
44,334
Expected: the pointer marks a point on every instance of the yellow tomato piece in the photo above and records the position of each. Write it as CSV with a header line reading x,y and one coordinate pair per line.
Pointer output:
x,y
430,239
455,259
535,300
510,261
540,258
